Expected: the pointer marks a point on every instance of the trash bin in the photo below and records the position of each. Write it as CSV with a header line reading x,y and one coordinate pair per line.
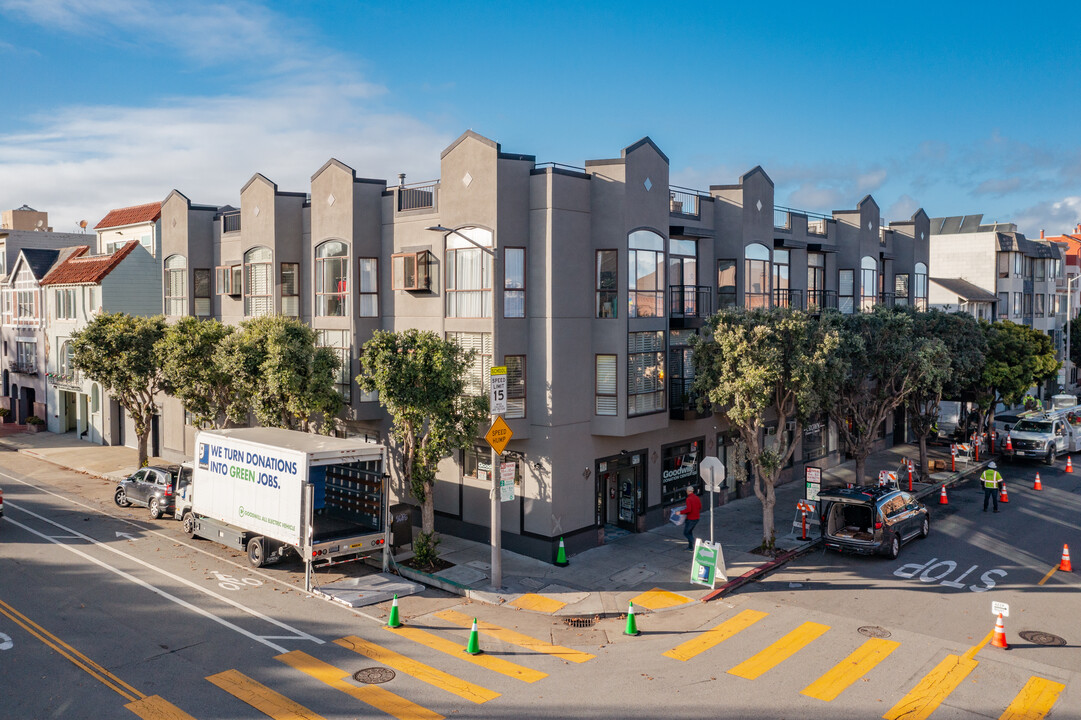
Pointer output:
x,y
401,525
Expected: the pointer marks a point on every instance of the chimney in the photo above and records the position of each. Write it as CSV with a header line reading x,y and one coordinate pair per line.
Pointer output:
x,y
1041,234
401,179
1078,230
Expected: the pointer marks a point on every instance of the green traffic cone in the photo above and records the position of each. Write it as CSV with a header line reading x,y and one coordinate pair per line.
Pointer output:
x,y
632,626
561,556
473,648
393,621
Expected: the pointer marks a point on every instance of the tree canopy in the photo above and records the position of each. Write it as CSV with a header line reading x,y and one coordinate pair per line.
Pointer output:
x,y
122,352
764,366
194,366
421,381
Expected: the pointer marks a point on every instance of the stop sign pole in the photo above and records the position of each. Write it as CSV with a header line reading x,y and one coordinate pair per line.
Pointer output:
x,y
715,469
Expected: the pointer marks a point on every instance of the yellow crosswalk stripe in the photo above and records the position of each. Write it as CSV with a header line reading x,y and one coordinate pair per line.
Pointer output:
x,y
851,669
512,637
378,697
715,636
1034,701
155,707
538,603
260,697
657,599
422,672
489,662
779,651
935,687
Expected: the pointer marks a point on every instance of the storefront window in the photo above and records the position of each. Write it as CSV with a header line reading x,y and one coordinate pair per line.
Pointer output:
x,y
814,440
679,469
477,463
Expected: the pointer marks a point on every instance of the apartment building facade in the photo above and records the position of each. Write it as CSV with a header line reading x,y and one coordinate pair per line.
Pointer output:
x,y
586,283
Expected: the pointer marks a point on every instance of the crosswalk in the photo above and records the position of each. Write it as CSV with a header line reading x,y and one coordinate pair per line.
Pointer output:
x,y
750,645
1033,702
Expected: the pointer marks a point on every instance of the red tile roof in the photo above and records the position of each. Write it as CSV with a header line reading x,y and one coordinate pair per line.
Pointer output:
x,y
130,215
80,268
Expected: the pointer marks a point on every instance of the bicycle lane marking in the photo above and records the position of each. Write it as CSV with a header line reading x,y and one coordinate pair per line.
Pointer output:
x,y
297,634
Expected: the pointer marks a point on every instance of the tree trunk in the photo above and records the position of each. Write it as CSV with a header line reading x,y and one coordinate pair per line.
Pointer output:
x,y
924,475
769,502
427,510
144,435
861,466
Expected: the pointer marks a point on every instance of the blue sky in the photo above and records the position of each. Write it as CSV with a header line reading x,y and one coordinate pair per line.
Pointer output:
x,y
956,107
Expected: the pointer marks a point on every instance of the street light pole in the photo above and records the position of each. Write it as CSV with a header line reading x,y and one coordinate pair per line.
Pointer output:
x,y
496,519
1069,315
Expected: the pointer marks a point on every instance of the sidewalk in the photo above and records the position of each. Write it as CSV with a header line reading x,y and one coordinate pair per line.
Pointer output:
x,y
650,569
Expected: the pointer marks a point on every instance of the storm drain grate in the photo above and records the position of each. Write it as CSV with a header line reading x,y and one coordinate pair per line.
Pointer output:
x,y
874,631
580,622
1042,638
374,675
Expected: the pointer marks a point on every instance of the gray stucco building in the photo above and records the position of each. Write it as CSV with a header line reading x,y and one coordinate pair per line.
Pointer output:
x,y
600,276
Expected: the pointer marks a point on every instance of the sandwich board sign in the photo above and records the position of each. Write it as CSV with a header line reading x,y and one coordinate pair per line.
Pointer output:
x,y
707,563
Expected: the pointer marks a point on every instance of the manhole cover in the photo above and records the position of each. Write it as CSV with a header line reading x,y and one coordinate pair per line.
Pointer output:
x,y
575,622
874,631
1042,638
374,675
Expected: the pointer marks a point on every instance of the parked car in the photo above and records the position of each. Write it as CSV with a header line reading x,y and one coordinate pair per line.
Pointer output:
x,y
871,520
151,487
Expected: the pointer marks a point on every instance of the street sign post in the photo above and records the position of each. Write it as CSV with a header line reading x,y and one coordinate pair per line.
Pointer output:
x,y
713,473
707,563
497,394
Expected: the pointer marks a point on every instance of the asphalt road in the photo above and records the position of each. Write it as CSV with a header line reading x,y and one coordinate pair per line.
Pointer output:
x,y
105,613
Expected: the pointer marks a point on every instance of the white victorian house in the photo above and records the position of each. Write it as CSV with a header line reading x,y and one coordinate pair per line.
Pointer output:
x,y
77,288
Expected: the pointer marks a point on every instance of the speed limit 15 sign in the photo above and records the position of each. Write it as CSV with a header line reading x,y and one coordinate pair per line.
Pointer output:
x,y
497,396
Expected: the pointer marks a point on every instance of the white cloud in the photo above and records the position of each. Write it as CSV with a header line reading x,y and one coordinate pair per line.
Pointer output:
x,y
902,209
1054,216
82,161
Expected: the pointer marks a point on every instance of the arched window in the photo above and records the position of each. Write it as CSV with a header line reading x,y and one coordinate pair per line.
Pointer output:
x,y
645,277
67,354
756,276
868,283
258,283
331,278
95,398
921,286
176,285
469,273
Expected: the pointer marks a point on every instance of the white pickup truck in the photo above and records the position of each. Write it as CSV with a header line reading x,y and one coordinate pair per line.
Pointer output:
x,y
267,491
1043,437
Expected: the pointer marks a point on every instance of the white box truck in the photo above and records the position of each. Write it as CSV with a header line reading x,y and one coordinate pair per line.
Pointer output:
x,y
266,491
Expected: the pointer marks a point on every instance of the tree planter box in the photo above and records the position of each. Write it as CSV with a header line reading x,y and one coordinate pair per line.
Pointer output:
x,y
35,428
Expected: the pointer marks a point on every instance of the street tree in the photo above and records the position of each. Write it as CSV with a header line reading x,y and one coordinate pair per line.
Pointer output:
x,y
421,380
1018,357
195,363
758,367
881,361
961,363
122,353
280,369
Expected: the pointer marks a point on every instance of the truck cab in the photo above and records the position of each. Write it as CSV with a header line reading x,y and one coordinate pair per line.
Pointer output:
x,y
1041,437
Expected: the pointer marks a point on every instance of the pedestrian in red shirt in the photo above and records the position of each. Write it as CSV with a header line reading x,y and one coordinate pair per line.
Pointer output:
x,y
693,512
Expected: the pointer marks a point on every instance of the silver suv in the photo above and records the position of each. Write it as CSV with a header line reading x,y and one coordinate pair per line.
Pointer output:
x,y
871,520
151,487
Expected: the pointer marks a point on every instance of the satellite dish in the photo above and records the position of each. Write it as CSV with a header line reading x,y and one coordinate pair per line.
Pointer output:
x,y
40,223
82,224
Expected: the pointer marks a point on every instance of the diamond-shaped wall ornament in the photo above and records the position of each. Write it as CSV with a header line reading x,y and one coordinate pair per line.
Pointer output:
x,y
758,205
330,199
174,222
467,179
256,211
649,184
921,235
869,226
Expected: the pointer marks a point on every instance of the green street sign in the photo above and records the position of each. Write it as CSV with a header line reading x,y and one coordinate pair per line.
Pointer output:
x,y
707,563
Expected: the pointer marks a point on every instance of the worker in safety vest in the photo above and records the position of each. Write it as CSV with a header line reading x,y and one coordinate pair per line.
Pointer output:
x,y
992,481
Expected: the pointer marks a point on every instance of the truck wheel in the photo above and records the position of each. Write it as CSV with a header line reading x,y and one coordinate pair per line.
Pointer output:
x,y
256,554
155,509
121,498
895,548
189,525
1050,459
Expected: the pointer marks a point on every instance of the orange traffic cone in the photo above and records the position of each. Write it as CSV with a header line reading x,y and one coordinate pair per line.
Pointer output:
x,y
942,497
1037,486
999,640
1009,443
1069,465
1002,496
1064,565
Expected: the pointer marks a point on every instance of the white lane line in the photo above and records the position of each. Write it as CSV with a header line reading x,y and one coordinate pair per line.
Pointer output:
x,y
297,634
242,566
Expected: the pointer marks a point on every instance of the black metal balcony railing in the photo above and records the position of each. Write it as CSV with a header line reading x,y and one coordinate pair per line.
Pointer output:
x,y
819,300
24,368
788,298
416,197
683,401
887,298
690,301
230,222
683,201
